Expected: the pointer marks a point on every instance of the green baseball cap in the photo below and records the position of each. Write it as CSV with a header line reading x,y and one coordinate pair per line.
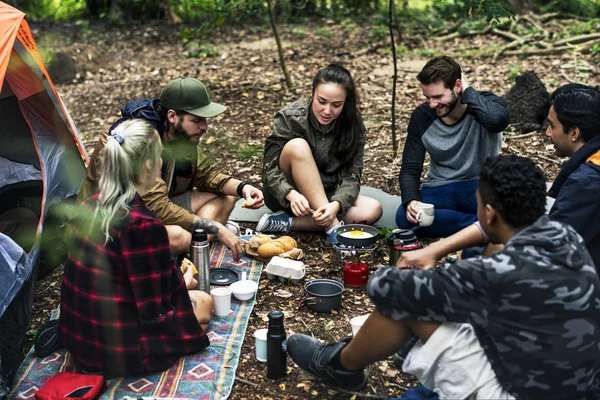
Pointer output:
x,y
189,95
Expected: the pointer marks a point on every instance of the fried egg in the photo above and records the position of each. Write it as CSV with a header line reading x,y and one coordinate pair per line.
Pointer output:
x,y
355,234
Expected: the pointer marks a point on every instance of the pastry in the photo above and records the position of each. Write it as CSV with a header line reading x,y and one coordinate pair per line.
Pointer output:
x,y
248,203
270,249
288,242
185,264
255,241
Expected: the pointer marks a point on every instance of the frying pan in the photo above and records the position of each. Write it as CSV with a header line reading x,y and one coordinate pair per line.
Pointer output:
x,y
357,241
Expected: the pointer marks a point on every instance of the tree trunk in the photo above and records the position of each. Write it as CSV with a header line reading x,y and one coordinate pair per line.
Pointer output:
x,y
286,74
391,27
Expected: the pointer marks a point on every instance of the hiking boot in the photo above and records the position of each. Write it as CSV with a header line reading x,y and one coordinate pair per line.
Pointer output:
x,y
399,357
47,339
233,227
315,358
276,222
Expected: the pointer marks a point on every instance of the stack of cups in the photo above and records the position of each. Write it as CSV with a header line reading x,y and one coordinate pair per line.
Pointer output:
x,y
221,301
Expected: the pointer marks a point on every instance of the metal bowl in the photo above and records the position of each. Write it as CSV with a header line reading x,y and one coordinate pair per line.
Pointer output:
x,y
357,241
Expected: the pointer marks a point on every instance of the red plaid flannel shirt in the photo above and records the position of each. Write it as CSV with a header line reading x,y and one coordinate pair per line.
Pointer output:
x,y
124,305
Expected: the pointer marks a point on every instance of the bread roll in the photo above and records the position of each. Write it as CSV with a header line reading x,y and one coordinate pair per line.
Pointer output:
x,y
248,203
317,214
270,249
185,264
288,242
257,240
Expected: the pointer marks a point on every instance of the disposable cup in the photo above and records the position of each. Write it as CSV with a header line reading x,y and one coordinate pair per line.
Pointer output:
x,y
221,301
261,344
357,322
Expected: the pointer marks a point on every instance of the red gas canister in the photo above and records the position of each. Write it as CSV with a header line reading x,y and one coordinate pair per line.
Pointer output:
x,y
356,273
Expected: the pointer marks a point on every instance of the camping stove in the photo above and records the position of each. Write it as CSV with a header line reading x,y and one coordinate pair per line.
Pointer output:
x,y
356,261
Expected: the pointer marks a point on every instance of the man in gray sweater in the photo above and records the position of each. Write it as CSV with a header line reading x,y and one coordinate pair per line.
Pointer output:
x,y
459,128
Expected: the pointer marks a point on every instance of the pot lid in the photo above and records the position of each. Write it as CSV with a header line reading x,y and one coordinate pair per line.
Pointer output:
x,y
401,237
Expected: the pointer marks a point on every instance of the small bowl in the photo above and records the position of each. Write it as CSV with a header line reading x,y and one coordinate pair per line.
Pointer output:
x,y
243,290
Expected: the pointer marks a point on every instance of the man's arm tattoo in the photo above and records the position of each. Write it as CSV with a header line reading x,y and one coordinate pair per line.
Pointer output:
x,y
206,224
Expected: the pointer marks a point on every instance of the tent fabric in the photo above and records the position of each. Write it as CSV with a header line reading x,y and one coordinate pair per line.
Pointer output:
x,y
36,130
14,172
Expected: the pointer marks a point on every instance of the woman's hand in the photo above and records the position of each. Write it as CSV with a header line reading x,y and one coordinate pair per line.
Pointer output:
x,y
253,196
327,214
298,203
411,211
188,277
230,240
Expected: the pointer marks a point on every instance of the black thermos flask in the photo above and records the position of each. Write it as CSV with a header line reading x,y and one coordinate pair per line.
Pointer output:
x,y
276,352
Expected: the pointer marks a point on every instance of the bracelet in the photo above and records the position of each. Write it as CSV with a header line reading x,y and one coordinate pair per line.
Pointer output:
x,y
240,188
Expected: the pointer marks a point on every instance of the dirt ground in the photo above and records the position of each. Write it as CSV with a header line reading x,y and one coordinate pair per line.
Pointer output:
x,y
117,65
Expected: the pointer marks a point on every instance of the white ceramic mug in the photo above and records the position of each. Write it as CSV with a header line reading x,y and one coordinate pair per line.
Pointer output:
x,y
221,301
425,213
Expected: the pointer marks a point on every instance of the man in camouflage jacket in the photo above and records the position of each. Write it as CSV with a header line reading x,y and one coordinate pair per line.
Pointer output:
x,y
521,324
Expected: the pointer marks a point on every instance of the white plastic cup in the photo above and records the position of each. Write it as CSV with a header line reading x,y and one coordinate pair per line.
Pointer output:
x,y
357,322
261,344
221,301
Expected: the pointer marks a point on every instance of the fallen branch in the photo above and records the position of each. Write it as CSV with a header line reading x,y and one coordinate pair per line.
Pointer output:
x,y
245,381
538,52
506,35
525,135
578,39
463,34
557,162
364,395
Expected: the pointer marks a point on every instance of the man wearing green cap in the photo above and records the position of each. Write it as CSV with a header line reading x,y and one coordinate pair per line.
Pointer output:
x,y
190,193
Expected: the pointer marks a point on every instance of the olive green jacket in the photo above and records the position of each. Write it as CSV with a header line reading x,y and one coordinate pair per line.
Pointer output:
x,y
296,120
202,176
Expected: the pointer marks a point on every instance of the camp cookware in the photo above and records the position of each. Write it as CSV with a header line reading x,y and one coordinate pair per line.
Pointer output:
x,y
323,295
357,235
356,273
400,241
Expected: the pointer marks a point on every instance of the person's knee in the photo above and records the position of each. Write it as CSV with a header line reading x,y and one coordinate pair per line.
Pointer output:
x,y
401,220
295,149
203,304
229,203
179,239
375,212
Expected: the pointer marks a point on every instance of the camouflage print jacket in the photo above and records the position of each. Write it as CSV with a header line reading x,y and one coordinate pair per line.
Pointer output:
x,y
535,307
341,183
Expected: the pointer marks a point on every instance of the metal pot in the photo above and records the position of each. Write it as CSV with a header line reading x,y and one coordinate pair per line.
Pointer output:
x,y
323,295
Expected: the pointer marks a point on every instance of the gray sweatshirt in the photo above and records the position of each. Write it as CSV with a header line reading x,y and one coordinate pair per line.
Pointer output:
x,y
456,151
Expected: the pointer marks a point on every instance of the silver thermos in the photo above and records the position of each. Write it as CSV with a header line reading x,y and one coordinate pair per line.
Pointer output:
x,y
200,256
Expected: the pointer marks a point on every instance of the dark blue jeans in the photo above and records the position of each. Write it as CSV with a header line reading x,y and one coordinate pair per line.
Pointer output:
x,y
455,208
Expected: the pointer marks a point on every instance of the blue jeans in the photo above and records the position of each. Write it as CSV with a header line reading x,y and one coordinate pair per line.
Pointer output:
x,y
455,208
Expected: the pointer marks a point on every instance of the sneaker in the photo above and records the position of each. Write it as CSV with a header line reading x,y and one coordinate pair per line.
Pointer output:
x,y
332,236
315,358
277,222
47,339
399,357
234,227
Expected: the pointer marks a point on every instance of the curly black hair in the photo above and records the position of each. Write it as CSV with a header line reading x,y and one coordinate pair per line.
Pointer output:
x,y
515,187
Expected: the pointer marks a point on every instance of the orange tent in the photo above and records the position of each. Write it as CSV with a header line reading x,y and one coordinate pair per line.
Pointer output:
x,y
42,162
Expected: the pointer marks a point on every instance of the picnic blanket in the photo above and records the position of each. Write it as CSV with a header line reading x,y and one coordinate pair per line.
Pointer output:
x,y
208,375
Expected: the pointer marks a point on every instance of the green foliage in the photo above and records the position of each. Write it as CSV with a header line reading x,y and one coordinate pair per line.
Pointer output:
x,y
515,71
579,28
298,33
323,32
52,9
378,33
584,8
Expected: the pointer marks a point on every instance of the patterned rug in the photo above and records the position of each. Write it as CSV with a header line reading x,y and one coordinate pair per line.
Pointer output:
x,y
206,375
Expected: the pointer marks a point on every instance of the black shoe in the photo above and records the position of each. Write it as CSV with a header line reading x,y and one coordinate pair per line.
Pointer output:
x,y
47,339
400,356
315,358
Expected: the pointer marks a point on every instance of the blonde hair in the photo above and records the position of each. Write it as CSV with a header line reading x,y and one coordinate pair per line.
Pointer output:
x,y
123,159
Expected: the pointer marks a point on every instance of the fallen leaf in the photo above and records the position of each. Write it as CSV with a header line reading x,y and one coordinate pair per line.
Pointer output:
x,y
282,293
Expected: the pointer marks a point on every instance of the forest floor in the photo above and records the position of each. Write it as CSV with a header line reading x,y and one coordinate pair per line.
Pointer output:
x,y
119,64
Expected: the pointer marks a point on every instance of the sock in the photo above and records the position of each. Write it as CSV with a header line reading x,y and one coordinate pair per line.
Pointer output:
x,y
332,229
336,362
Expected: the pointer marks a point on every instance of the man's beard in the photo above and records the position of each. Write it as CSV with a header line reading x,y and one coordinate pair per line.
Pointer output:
x,y
451,105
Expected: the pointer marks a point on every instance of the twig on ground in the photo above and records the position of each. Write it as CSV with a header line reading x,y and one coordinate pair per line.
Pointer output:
x,y
363,395
525,135
557,162
245,381
306,326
